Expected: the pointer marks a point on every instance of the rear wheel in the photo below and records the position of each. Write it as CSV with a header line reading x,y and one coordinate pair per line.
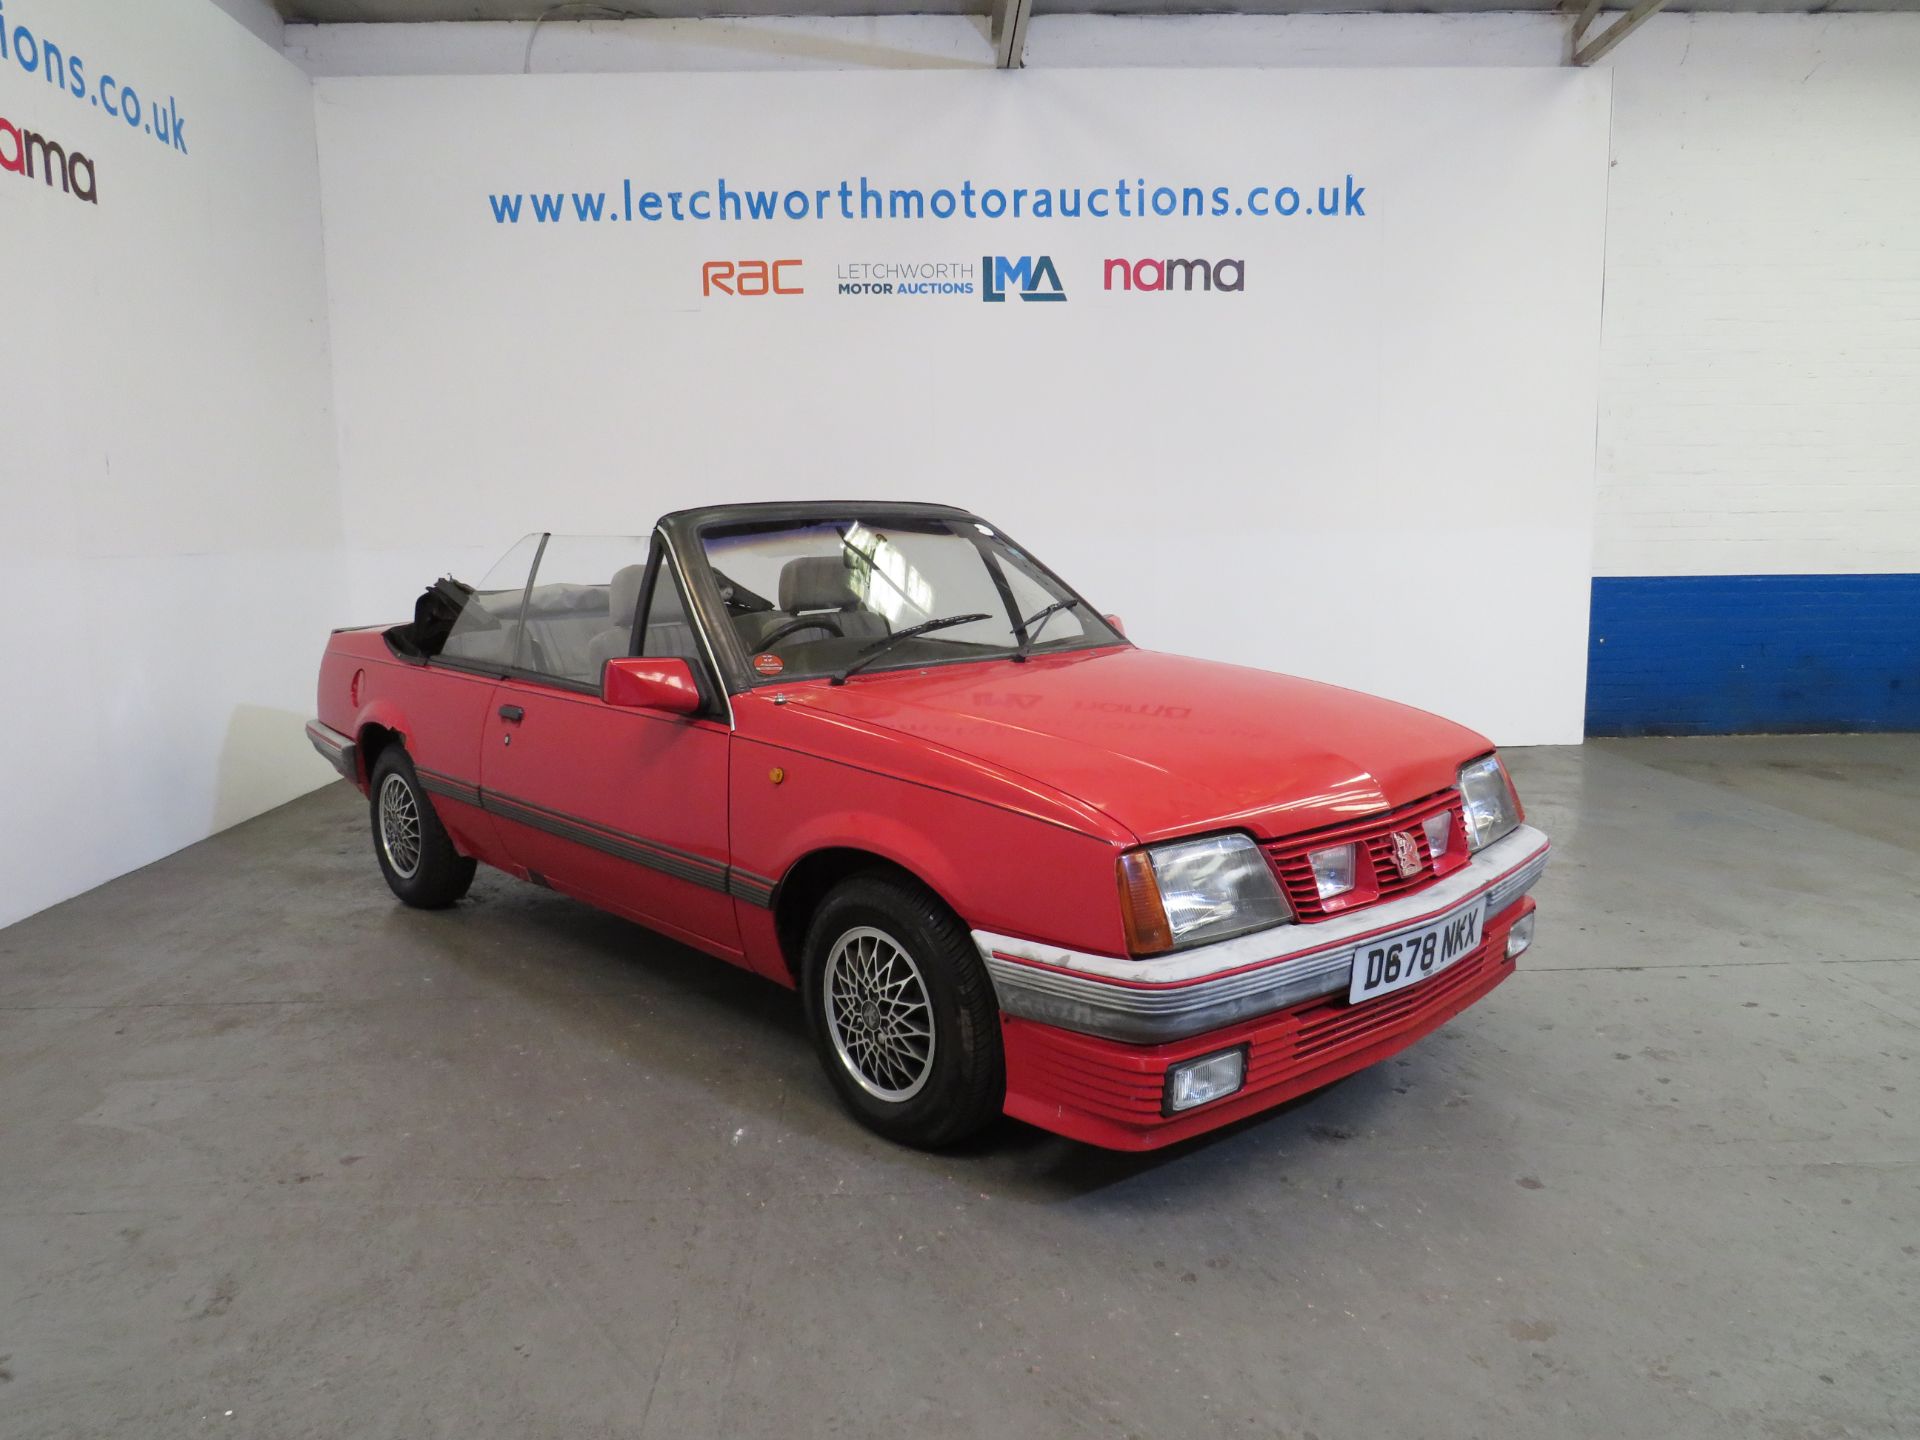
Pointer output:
x,y
902,1012
413,848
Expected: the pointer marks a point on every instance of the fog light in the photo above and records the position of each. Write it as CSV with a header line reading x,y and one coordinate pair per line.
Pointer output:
x,y
1520,937
1439,830
1332,870
1208,1078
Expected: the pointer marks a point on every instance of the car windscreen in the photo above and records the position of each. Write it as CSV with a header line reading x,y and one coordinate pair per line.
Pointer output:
x,y
806,599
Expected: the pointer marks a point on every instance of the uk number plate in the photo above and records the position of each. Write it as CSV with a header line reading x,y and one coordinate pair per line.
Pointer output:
x,y
1393,962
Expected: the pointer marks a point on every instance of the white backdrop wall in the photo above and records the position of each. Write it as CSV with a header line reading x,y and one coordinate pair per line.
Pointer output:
x,y
1758,390
1332,472
1739,329
1757,370
169,513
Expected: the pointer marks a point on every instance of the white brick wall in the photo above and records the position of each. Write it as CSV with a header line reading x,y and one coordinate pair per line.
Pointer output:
x,y
1760,367
1760,370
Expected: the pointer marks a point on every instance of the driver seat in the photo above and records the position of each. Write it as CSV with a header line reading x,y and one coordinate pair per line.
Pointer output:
x,y
820,585
623,601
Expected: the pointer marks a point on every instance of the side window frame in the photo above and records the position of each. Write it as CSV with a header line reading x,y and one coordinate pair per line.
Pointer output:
x,y
526,600
713,705
636,641
523,670
501,670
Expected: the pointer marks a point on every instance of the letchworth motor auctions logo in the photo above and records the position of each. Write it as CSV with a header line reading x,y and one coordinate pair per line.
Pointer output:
x,y
906,279
32,156
1031,277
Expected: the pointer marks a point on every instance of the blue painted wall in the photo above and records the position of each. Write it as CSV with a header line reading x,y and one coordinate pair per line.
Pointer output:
x,y
1731,654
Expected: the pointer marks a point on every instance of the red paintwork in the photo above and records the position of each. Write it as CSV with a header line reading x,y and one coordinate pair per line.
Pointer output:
x,y
1169,746
623,772
1009,789
638,684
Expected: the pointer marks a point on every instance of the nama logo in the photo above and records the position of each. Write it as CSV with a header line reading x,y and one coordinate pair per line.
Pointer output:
x,y
32,156
1165,275
1031,277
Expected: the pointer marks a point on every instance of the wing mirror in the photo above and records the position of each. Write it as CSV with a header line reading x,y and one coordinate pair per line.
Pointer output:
x,y
641,684
1114,620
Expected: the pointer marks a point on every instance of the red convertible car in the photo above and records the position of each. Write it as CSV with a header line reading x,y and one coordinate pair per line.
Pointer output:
x,y
880,754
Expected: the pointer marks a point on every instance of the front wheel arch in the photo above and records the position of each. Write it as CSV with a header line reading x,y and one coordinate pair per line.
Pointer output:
x,y
811,878
959,1075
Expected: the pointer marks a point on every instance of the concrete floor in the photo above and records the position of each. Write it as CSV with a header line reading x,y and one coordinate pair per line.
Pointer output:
x,y
280,1158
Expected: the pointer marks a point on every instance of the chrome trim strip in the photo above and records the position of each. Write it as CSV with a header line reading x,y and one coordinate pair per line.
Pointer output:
x,y
437,784
336,749
1148,1001
693,620
667,859
1506,891
754,889
682,865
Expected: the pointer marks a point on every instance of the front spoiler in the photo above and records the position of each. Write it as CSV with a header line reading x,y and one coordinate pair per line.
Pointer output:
x,y
1110,1094
1149,1002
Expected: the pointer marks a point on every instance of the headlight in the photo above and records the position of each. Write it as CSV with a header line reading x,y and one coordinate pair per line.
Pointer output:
x,y
1332,870
1173,896
1492,809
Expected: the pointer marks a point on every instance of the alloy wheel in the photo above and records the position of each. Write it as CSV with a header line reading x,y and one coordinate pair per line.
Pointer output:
x,y
400,826
878,1014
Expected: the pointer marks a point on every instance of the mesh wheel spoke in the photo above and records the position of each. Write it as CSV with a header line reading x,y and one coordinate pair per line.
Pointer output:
x,y
878,1014
400,826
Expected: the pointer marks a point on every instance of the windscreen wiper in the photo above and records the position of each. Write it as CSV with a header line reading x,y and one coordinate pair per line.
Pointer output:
x,y
880,647
1031,627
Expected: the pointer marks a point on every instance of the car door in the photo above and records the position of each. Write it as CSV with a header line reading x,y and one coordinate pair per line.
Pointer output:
x,y
445,703
622,807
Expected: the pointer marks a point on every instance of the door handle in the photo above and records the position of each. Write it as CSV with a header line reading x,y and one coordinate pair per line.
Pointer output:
x,y
512,713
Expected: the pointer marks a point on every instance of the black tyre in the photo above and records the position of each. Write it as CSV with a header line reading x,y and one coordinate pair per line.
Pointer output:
x,y
902,1012
415,854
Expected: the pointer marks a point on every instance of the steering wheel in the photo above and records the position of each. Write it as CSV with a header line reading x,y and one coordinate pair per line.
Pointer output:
x,y
805,622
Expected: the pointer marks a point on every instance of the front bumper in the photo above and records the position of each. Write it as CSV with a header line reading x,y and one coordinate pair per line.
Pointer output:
x,y
1199,990
1107,1093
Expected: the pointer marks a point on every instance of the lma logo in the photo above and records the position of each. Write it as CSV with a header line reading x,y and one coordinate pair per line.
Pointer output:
x,y
32,156
1031,277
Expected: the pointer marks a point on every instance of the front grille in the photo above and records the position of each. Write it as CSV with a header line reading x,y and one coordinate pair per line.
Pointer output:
x,y
1376,876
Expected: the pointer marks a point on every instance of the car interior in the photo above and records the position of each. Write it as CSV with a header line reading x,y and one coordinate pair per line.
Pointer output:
x,y
822,615
571,630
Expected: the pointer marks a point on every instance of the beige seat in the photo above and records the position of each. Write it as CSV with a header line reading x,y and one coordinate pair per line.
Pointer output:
x,y
623,602
814,586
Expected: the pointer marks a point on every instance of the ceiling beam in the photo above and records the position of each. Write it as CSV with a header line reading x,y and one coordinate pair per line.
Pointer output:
x,y
1616,32
1010,32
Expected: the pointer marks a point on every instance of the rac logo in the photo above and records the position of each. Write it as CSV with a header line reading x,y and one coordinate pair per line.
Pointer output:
x,y
750,277
32,156
1164,275
1031,277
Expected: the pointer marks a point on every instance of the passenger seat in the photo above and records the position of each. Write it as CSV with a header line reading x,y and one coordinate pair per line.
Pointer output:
x,y
623,601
